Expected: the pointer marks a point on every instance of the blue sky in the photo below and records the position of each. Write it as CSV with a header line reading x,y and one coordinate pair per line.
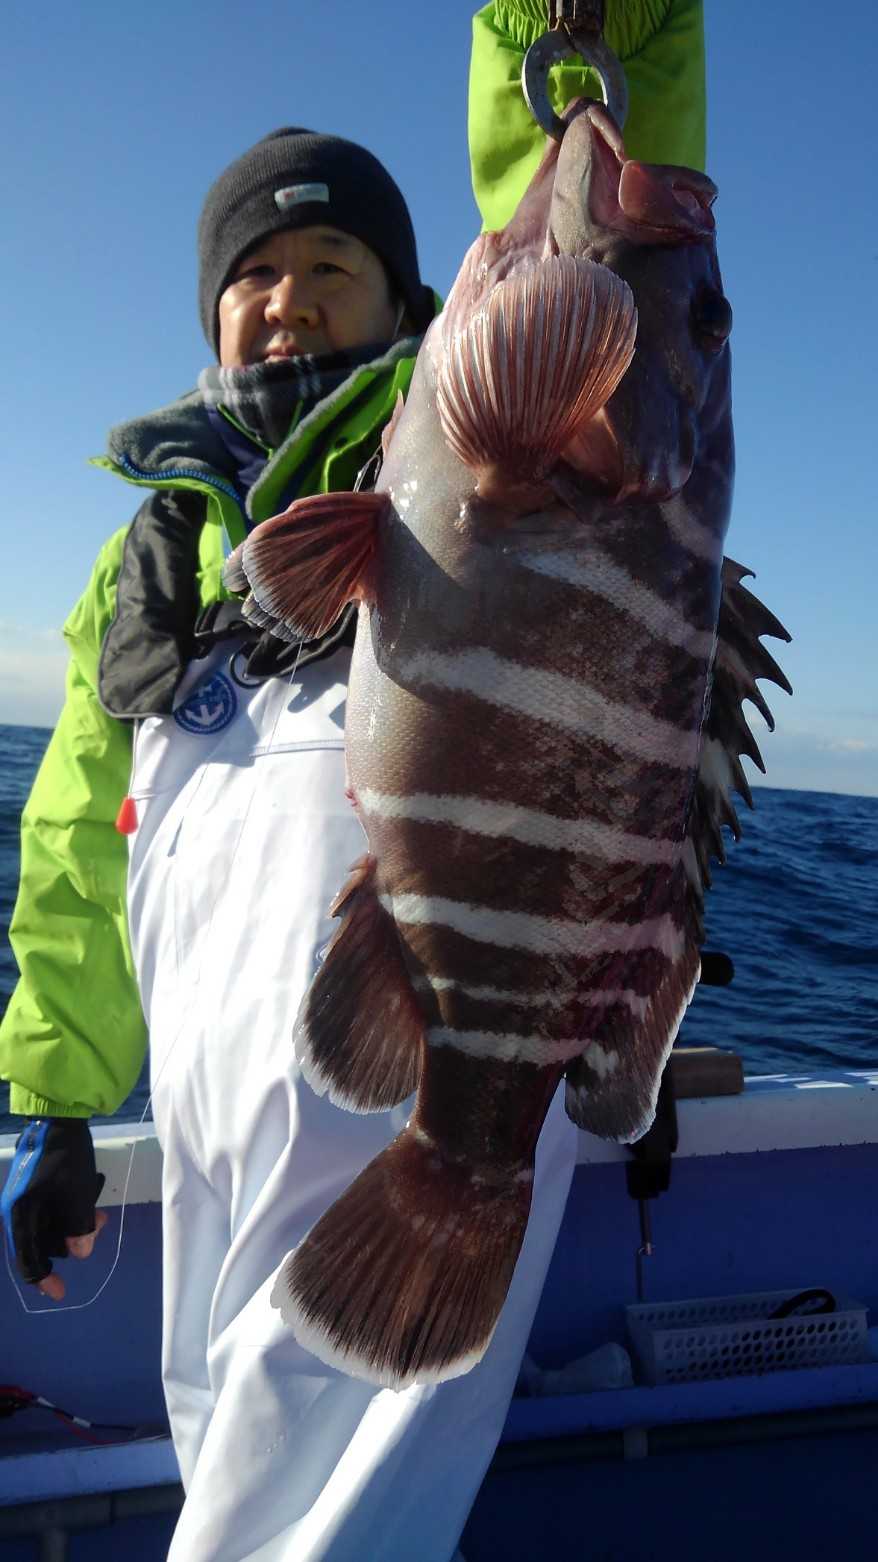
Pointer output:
x,y
115,119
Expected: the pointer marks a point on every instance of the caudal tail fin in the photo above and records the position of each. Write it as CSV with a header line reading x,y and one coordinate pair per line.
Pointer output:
x,y
403,1278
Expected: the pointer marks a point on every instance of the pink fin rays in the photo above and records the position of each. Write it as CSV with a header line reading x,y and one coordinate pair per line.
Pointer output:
x,y
541,357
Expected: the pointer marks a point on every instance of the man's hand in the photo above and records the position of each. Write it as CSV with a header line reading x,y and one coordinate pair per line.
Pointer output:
x,y
48,1202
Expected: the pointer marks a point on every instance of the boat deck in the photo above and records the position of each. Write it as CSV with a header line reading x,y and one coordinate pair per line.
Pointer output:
x,y
771,1190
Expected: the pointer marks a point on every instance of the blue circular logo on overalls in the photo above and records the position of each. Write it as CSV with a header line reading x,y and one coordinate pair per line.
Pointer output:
x,y
210,708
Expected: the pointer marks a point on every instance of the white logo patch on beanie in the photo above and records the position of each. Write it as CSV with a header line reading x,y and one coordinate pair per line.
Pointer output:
x,y
299,194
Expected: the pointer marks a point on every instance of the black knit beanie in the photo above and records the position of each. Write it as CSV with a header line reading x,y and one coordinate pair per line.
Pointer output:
x,y
294,178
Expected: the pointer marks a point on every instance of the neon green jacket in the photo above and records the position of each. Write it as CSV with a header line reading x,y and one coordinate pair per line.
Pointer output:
x,y
73,1039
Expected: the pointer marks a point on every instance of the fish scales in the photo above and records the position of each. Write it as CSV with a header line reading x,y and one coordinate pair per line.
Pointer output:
x,y
514,968
543,730
492,816
527,769
560,883
456,863
576,705
665,634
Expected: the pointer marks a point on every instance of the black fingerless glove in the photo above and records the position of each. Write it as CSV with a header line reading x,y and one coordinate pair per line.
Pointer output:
x,y
50,1193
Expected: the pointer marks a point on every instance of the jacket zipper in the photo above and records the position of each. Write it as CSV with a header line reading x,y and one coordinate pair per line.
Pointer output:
x,y
198,477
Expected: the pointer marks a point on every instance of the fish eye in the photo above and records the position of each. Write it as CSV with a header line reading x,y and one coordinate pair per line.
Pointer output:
x,y
712,318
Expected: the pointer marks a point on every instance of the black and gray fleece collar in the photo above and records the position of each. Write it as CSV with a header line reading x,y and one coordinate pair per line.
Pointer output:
x,y
179,441
268,399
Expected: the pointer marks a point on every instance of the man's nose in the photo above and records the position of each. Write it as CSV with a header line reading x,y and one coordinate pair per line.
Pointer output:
x,y
289,304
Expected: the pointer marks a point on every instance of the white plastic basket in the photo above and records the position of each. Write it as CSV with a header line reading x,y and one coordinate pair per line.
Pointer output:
x,y
729,1336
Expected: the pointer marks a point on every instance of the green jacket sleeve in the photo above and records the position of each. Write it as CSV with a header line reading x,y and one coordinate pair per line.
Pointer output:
x,y
661,46
73,1038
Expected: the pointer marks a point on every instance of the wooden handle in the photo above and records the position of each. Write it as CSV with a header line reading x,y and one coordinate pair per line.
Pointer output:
x,y
705,1071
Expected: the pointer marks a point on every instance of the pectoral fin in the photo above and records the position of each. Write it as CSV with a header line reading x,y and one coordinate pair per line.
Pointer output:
x,y
303,567
539,359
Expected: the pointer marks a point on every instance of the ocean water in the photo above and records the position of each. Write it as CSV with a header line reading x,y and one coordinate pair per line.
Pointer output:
x,y
796,909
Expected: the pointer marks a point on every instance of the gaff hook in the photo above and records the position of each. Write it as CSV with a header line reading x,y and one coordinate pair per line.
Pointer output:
x,y
572,33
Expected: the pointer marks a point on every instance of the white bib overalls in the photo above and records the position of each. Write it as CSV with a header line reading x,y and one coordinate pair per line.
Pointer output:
x,y
244,836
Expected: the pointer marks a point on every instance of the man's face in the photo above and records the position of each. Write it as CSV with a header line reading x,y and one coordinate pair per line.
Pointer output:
x,y
304,290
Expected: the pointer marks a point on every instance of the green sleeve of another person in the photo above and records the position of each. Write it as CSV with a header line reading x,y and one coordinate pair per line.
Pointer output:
x,y
661,46
73,1038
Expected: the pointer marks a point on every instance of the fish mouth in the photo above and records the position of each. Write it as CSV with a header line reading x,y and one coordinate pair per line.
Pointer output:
x,y
599,453
647,202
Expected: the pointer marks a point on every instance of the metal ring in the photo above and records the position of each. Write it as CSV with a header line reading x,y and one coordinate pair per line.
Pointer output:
x,y
549,50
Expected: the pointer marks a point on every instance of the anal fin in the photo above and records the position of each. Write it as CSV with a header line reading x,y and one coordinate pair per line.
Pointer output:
x,y
303,567
359,1034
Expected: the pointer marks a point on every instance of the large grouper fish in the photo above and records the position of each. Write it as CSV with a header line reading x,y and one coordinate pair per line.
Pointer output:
x,y
544,725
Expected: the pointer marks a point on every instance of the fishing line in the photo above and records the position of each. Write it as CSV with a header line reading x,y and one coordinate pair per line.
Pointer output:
x,y
58,1308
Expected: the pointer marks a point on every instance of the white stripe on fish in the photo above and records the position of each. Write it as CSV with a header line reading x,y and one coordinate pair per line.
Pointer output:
x,y
690,533
599,575
562,702
599,1067
603,1061
507,1047
584,836
598,996
539,935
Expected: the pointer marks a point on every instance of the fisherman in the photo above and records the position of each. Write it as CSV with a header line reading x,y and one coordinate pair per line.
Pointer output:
x,y
225,750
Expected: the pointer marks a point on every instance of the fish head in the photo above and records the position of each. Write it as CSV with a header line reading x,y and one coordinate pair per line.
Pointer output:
x,y
653,226
530,345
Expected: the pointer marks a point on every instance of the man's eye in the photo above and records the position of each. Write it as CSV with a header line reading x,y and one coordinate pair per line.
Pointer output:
x,y
256,273
325,268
